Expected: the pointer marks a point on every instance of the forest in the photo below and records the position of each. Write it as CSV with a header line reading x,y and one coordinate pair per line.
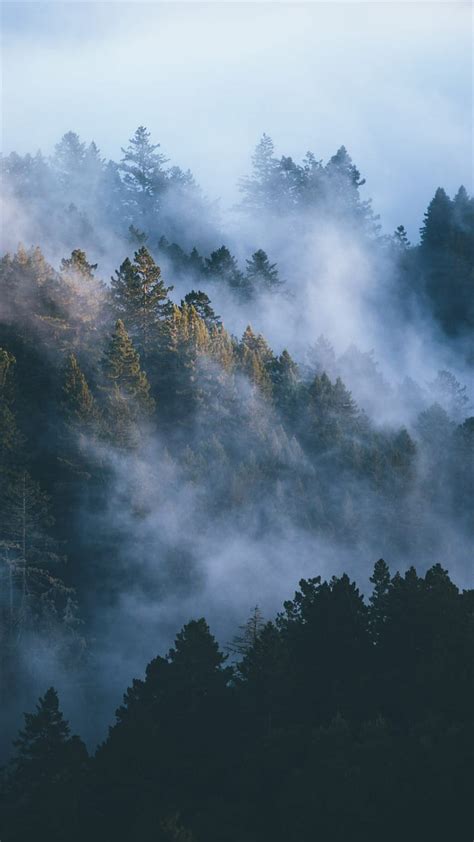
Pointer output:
x,y
199,410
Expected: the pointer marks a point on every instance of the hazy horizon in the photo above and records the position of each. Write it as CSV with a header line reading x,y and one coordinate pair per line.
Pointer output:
x,y
390,81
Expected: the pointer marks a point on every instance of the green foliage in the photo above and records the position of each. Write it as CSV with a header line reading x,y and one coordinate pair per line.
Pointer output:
x,y
78,401
202,304
143,172
140,299
126,387
262,275
222,267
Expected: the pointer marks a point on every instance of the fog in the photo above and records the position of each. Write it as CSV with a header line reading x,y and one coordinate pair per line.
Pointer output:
x,y
392,83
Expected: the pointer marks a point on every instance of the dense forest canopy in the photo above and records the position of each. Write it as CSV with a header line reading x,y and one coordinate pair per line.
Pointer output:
x,y
192,417
339,719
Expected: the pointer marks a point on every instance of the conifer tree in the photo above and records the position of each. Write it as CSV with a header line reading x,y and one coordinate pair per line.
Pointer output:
x,y
140,298
122,368
400,238
202,304
144,176
256,360
436,229
248,633
78,401
343,181
79,264
44,776
379,598
127,388
30,554
222,348
286,380
260,188
262,275
69,160
321,358
222,267
462,237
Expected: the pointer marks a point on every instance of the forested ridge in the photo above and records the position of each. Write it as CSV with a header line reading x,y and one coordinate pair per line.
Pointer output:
x,y
155,458
340,719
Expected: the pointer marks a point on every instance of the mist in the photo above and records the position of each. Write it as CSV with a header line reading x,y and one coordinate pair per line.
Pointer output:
x,y
227,501
392,81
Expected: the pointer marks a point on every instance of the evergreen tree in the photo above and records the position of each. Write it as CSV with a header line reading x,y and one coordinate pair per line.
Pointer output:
x,y
400,238
326,630
140,298
143,172
436,229
448,392
261,274
79,264
249,633
286,382
333,413
78,401
43,778
69,160
83,296
462,236
127,388
343,181
259,188
222,267
378,600
321,358
256,360
202,304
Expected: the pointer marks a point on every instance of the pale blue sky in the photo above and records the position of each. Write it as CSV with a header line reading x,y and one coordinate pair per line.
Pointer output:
x,y
391,81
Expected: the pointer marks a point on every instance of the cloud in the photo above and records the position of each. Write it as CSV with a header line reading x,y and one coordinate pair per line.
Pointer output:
x,y
390,82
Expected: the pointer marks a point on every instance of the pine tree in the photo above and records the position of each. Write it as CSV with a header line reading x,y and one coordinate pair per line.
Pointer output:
x,y
400,238
321,358
181,372
343,181
44,735
69,160
378,600
78,402
259,190
30,553
122,368
197,661
127,388
256,360
143,171
262,275
140,298
448,392
436,229
462,235
222,267
286,380
79,264
249,633
44,776
83,297
202,304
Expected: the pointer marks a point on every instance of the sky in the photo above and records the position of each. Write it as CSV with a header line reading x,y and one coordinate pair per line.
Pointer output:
x,y
392,81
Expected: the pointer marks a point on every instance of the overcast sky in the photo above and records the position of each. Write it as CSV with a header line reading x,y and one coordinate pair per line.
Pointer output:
x,y
390,81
